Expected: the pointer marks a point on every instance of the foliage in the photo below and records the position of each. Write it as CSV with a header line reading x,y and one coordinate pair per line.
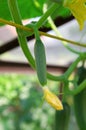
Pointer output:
x,y
32,8
28,9
20,104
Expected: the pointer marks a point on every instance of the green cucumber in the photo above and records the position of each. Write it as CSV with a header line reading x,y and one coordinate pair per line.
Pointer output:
x,y
80,101
40,61
62,118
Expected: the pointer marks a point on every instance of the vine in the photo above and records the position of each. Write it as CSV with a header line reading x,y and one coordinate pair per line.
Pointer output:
x,y
38,64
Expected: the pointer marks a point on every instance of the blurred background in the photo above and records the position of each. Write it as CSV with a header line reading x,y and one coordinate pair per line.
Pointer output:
x,y
22,106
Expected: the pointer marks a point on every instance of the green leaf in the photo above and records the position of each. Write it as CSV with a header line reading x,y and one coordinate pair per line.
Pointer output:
x,y
28,8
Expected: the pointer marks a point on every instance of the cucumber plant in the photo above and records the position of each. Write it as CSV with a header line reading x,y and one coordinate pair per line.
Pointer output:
x,y
39,62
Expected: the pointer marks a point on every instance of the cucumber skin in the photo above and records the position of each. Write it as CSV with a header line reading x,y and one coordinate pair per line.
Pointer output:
x,y
80,101
40,61
62,118
80,109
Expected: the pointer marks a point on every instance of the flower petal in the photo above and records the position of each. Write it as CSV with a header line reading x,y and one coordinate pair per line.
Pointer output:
x,y
52,99
78,9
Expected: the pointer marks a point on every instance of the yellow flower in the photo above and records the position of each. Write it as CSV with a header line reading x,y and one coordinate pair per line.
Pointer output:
x,y
52,99
78,9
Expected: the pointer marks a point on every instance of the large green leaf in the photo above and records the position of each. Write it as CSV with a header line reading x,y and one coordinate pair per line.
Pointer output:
x,y
28,8
60,11
31,9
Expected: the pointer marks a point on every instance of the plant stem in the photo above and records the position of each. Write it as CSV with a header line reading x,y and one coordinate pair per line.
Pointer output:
x,y
22,39
72,67
41,33
78,88
55,78
47,14
23,42
53,26
19,26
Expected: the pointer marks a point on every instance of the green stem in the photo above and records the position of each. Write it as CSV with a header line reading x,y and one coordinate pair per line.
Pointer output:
x,y
22,39
55,78
14,11
72,67
58,34
23,43
36,32
28,29
53,26
47,14
78,89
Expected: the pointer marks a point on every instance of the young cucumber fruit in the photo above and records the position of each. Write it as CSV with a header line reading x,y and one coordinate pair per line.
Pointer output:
x,y
62,118
40,61
80,101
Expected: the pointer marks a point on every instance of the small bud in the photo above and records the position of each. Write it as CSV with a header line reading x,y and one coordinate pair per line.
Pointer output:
x,y
52,99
